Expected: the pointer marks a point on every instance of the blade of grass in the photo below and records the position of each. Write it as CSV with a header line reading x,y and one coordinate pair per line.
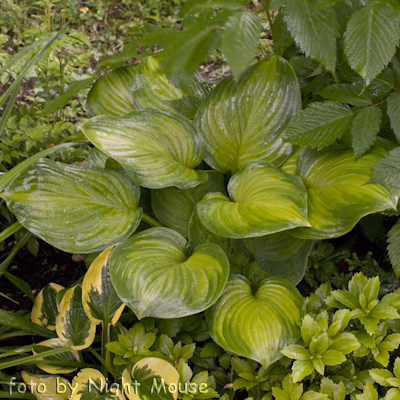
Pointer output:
x,y
17,247
6,233
9,108
20,284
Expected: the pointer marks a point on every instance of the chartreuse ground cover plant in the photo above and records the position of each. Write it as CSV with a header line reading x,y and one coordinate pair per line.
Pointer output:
x,y
202,208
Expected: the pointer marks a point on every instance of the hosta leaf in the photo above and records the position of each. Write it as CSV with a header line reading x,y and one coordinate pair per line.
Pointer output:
x,y
72,325
346,93
371,37
112,93
198,234
45,309
279,254
55,387
173,207
394,247
393,109
387,171
256,325
100,301
155,274
246,118
338,193
157,149
365,128
264,200
241,36
314,30
319,125
75,208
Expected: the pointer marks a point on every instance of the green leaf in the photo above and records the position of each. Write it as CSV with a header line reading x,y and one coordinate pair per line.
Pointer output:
x,y
157,149
75,208
387,170
394,247
301,369
173,207
296,352
369,392
345,343
246,118
393,110
333,357
112,93
338,193
335,391
319,125
279,254
241,36
257,326
211,349
380,376
52,383
347,93
156,274
259,194
365,128
371,37
280,34
314,30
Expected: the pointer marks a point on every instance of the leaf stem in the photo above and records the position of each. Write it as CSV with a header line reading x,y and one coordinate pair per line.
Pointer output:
x,y
151,221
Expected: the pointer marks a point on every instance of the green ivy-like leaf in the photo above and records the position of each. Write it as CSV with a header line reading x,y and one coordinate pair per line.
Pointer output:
x,y
74,208
256,325
246,118
155,274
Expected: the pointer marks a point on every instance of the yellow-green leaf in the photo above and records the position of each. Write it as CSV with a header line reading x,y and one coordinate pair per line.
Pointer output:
x,y
47,387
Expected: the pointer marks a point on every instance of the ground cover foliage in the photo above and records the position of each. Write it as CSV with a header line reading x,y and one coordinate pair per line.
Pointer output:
x,y
234,233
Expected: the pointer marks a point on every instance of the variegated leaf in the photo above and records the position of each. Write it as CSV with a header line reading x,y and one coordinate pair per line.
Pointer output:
x,y
47,387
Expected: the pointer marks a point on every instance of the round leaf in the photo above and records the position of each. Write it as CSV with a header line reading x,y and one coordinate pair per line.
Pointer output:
x,y
245,118
156,148
256,325
156,275
264,200
75,208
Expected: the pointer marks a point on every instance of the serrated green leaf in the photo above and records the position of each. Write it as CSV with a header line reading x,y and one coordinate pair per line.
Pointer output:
x,y
393,109
258,194
380,376
301,369
156,275
371,37
211,350
333,357
347,93
365,128
345,343
259,325
319,125
369,392
296,352
280,34
157,149
394,247
387,170
246,118
75,208
334,391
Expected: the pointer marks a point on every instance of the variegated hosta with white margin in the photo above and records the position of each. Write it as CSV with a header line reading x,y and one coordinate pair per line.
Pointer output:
x,y
157,274
73,326
279,254
112,93
91,383
157,149
256,325
144,372
47,387
242,121
45,309
338,191
69,356
173,207
263,200
100,301
75,208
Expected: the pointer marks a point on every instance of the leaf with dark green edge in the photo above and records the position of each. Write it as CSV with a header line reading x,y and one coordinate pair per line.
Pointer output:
x,y
393,110
319,125
263,200
279,254
394,247
371,37
100,301
280,35
314,30
246,118
347,93
256,325
75,208
157,274
173,207
387,170
365,128
338,191
112,93
241,36
52,383
157,149
73,326
152,88
199,234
